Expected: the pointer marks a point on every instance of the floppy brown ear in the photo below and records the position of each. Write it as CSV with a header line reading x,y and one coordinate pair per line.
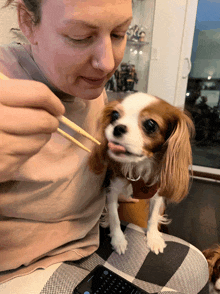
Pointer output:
x,y
212,255
177,160
98,159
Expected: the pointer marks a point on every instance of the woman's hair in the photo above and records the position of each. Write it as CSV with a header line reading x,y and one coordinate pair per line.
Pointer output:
x,y
33,6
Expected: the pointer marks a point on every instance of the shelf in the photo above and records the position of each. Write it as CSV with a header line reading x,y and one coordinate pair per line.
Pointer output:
x,y
139,0
138,44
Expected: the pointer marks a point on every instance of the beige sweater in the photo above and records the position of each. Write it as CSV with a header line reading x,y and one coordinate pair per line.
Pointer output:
x,y
50,211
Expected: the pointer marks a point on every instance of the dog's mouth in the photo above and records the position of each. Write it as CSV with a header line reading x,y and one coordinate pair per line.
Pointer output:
x,y
120,150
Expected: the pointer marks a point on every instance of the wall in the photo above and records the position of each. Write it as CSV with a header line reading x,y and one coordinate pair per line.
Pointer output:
x,y
8,19
166,46
171,47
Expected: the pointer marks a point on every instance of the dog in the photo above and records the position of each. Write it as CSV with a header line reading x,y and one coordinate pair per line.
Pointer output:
x,y
145,142
213,257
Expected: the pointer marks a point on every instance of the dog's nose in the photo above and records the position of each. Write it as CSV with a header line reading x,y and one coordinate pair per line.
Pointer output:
x,y
119,130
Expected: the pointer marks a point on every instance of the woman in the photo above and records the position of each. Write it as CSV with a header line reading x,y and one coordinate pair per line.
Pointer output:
x,y
50,202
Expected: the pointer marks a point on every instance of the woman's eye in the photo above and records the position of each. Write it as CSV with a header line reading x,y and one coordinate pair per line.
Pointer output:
x,y
150,126
114,116
118,36
80,40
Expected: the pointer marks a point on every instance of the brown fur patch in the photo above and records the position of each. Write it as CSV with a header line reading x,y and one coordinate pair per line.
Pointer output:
x,y
166,116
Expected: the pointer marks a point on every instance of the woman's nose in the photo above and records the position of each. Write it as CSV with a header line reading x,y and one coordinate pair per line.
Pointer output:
x,y
104,57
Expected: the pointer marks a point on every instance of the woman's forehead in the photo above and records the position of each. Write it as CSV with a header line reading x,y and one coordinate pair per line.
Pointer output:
x,y
119,11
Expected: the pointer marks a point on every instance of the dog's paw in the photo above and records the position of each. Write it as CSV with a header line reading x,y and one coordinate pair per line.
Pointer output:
x,y
155,242
119,243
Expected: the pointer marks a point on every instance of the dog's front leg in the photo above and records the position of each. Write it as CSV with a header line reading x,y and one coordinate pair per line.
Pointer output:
x,y
118,240
154,238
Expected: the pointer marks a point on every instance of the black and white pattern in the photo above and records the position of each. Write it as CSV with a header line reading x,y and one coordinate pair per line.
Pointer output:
x,y
180,269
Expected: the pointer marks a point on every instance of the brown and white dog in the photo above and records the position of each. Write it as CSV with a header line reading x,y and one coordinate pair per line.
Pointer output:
x,y
143,139
213,257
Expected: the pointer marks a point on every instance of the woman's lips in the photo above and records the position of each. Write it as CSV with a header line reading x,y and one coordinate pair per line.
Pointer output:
x,y
94,82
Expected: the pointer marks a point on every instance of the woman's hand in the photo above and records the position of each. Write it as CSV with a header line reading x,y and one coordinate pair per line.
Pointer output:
x,y
28,117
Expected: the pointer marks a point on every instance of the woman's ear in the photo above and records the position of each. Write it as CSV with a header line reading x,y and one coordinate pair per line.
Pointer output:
x,y
26,21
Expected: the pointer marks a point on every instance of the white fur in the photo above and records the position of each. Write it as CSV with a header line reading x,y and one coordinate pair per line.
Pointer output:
x,y
118,239
132,140
217,284
134,103
154,238
214,289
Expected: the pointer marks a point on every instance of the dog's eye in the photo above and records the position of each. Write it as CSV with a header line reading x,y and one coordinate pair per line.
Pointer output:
x,y
150,126
114,116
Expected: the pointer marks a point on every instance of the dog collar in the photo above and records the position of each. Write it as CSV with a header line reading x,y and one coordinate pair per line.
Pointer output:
x,y
141,190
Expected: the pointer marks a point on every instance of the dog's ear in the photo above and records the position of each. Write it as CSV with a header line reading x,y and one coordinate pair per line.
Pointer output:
x,y
177,160
209,254
212,255
98,160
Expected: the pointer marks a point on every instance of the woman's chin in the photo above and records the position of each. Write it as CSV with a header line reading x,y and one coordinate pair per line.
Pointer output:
x,y
89,94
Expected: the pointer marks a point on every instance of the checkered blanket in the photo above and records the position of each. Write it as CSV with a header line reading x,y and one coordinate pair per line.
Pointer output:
x,y
180,269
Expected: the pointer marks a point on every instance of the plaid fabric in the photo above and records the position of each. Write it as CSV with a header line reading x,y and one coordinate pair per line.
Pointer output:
x,y
180,269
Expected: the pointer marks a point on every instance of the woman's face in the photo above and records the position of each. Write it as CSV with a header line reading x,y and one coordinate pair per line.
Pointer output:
x,y
79,43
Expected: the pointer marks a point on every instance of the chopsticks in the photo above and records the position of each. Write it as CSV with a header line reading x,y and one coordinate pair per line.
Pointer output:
x,y
76,128
71,125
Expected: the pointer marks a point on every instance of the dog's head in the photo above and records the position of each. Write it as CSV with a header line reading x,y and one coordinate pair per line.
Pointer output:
x,y
144,128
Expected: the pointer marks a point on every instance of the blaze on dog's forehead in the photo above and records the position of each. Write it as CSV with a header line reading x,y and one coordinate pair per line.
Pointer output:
x,y
137,102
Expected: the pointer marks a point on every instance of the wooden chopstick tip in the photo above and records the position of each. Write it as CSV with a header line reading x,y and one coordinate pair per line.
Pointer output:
x,y
76,128
3,77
